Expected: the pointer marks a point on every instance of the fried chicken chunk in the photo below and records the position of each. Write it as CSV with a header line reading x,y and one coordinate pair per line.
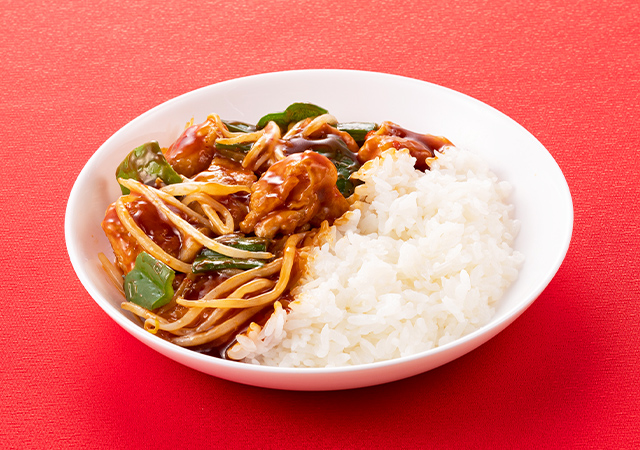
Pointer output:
x,y
227,171
298,190
390,135
194,149
125,247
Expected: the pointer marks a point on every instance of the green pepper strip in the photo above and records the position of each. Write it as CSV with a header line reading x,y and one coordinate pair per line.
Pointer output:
x,y
294,113
208,260
357,130
146,164
150,283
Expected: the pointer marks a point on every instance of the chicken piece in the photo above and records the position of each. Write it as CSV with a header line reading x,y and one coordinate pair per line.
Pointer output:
x,y
226,171
193,151
125,247
298,190
390,135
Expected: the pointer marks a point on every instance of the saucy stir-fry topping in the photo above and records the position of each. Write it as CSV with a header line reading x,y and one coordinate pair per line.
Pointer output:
x,y
210,233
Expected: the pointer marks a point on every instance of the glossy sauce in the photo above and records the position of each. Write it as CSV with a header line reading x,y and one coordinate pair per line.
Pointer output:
x,y
226,171
153,225
431,142
332,146
190,153
389,135
125,247
296,191
203,283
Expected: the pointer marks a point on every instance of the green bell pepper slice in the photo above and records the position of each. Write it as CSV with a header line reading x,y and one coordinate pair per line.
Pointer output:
x,y
146,164
209,261
294,113
150,283
357,130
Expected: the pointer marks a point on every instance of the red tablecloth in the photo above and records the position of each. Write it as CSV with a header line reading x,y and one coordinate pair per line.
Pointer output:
x,y
565,374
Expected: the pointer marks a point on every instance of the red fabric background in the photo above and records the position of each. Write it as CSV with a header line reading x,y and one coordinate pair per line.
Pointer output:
x,y
565,374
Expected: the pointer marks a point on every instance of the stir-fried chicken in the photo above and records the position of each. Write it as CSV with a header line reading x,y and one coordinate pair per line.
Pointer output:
x,y
226,171
193,151
390,135
297,190
125,247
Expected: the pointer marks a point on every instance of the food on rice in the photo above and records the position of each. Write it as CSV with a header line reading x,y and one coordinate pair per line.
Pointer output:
x,y
303,242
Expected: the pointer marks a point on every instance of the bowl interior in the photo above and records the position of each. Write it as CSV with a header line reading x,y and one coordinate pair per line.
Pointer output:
x,y
540,195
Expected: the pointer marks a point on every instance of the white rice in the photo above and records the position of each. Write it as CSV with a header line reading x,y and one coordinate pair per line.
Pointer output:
x,y
419,260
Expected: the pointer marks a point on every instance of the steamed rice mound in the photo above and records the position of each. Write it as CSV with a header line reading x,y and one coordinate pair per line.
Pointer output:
x,y
420,260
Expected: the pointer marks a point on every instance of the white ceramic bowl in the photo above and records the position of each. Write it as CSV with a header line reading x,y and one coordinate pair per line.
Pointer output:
x,y
541,197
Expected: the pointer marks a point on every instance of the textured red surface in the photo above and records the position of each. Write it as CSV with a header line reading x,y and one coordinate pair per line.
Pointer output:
x,y
565,374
